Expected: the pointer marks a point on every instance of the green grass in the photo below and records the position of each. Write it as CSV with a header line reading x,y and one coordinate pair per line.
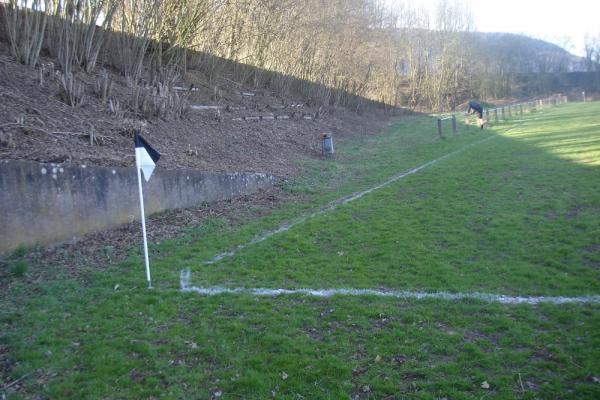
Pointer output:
x,y
18,268
517,214
506,216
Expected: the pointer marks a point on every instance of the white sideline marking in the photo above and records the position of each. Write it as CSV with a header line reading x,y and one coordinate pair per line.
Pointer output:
x,y
341,201
404,294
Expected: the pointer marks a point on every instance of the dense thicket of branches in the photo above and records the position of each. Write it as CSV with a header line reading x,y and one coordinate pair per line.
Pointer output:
x,y
352,48
592,53
342,49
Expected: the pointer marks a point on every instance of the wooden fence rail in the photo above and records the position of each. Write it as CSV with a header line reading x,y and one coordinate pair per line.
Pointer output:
x,y
507,112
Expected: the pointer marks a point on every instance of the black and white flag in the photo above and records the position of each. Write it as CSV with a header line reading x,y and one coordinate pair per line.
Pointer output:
x,y
145,156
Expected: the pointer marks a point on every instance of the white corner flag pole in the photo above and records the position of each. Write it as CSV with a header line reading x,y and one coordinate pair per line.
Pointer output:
x,y
139,175
145,161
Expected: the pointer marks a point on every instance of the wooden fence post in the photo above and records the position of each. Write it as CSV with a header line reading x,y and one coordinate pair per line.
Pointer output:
x,y
439,124
454,124
496,115
503,114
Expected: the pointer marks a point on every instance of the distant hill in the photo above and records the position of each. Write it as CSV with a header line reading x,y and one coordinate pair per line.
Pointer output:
x,y
524,55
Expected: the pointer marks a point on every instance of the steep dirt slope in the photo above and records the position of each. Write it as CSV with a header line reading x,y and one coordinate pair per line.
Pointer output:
x,y
243,130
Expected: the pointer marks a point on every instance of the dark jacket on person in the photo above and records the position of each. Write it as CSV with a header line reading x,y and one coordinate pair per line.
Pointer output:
x,y
476,108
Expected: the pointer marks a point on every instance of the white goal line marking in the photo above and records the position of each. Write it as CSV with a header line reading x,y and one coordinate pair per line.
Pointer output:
x,y
398,294
341,201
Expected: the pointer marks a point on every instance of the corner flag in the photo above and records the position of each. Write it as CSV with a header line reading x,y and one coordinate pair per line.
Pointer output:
x,y
145,160
145,156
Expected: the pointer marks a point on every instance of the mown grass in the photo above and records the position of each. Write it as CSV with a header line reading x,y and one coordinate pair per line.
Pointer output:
x,y
516,214
506,216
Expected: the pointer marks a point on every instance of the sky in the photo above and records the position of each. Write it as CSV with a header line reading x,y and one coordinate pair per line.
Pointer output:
x,y
563,22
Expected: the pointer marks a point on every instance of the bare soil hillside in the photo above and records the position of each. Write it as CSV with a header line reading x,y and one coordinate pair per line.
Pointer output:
x,y
228,128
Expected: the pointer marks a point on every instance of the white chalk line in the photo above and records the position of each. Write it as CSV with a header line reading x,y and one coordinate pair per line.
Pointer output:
x,y
336,203
397,294
403,294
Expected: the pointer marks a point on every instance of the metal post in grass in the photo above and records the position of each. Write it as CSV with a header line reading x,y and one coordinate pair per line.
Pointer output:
x,y
454,124
487,114
503,114
509,111
496,115
520,109
439,126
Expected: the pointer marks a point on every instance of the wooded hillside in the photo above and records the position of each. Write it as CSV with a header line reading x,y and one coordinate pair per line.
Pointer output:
x,y
350,49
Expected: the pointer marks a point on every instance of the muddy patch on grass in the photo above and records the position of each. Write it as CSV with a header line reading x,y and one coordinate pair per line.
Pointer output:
x,y
382,322
314,333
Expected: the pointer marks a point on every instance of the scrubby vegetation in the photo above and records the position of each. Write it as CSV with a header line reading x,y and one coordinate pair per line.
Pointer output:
x,y
350,49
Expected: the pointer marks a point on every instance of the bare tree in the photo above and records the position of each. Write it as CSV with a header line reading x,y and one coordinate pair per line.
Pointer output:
x,y
25,23
136,23
592,53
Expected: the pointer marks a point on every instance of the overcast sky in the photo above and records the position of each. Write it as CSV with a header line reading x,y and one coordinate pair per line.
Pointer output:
x,y
564,22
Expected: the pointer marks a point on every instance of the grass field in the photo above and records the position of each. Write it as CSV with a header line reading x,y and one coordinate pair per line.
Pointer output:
x,y
514,210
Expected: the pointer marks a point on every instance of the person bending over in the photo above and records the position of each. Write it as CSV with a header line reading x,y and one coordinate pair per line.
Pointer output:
x,y
476,108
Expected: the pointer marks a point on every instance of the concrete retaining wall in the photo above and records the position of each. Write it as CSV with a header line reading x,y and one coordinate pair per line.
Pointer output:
x,y
51,203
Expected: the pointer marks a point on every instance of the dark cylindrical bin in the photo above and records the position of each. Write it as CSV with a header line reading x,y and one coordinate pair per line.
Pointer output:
x,y
327,144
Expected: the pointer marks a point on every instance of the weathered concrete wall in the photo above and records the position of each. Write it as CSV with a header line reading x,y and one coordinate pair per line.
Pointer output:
x,y
51,203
